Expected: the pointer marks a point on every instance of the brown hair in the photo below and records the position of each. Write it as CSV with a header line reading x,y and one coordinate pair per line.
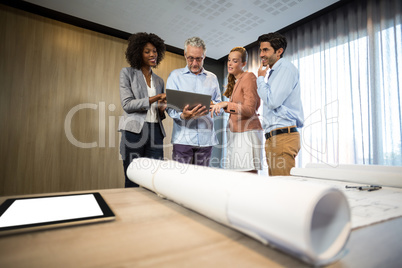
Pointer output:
x,y
231,77
276,40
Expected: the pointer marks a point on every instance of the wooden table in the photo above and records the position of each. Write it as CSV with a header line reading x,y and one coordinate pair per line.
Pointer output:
x,y
153,232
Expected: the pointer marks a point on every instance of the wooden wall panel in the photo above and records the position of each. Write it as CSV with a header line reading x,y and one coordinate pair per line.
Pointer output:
x,y
54,75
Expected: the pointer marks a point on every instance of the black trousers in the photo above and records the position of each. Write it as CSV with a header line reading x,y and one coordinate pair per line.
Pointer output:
x,y
148,143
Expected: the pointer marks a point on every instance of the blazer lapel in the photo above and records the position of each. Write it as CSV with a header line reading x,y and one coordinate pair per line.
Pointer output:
x,y
141,81
237,84
157,83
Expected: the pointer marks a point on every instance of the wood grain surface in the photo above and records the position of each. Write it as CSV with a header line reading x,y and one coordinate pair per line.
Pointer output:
x,y
153,232
54,75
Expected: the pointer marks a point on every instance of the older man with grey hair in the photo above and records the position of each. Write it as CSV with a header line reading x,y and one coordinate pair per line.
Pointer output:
x,y
193,133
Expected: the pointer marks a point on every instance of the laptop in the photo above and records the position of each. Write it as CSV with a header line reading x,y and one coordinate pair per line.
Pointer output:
x,y
178,99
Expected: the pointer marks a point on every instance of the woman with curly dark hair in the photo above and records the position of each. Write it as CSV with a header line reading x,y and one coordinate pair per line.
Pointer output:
x,y
143,100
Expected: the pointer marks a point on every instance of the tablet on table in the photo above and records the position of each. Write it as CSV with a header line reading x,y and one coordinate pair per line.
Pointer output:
x,y
44,212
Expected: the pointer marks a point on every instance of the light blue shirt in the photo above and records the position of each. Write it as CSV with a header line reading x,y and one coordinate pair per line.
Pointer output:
x,y
195,132
282,106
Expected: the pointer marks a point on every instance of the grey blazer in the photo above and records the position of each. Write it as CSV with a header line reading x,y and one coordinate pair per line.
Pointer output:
x,y
135,100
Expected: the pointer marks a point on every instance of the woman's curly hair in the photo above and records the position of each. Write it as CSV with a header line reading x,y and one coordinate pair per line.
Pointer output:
x,y
136,44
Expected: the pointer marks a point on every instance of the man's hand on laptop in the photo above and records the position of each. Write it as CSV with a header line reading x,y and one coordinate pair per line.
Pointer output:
x,y
194,113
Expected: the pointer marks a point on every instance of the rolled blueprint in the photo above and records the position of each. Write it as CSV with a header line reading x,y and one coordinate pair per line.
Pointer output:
x,y
309,221
390,176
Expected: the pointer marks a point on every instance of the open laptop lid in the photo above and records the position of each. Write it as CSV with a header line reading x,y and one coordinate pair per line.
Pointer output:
x,y
178,99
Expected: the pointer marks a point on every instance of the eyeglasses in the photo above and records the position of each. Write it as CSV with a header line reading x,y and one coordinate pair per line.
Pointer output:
x,y
191,59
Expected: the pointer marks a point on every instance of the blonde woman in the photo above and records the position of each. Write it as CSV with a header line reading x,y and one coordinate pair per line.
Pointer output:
x,y
244,134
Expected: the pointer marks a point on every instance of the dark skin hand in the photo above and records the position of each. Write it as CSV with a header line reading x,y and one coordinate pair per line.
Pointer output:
x,y
194,113
162,104
161,99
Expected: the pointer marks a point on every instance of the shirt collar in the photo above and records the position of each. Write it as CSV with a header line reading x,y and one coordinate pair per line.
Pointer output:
x,y
186,70
277,64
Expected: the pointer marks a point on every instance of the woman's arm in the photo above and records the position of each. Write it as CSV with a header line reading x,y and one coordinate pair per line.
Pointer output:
x,y
250,97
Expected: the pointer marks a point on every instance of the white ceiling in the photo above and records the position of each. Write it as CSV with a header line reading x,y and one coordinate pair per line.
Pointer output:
x,y
222,24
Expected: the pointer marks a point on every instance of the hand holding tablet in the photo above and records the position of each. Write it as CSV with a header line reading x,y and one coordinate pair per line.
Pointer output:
x,y
194,113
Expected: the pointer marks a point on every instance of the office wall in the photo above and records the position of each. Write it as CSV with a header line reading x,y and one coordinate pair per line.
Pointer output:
x,y
60,106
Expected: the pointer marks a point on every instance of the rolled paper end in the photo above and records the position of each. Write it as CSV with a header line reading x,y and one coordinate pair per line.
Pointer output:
x,y
330,226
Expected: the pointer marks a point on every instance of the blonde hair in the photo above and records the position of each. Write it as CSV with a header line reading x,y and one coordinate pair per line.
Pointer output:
x,y
231,77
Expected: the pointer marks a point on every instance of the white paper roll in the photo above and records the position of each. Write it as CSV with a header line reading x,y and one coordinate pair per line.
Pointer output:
x,y
390,176
307,220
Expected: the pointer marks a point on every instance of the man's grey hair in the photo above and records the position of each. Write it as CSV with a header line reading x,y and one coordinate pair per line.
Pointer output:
x,y
195,42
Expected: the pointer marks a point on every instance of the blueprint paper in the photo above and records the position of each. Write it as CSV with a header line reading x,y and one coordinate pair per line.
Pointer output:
x,y
366,207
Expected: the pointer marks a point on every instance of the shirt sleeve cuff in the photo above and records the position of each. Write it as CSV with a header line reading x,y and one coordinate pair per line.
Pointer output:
x,y
231,108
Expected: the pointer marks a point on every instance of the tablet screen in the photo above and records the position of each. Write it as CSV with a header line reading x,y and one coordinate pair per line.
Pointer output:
x,y
21,214
177,99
